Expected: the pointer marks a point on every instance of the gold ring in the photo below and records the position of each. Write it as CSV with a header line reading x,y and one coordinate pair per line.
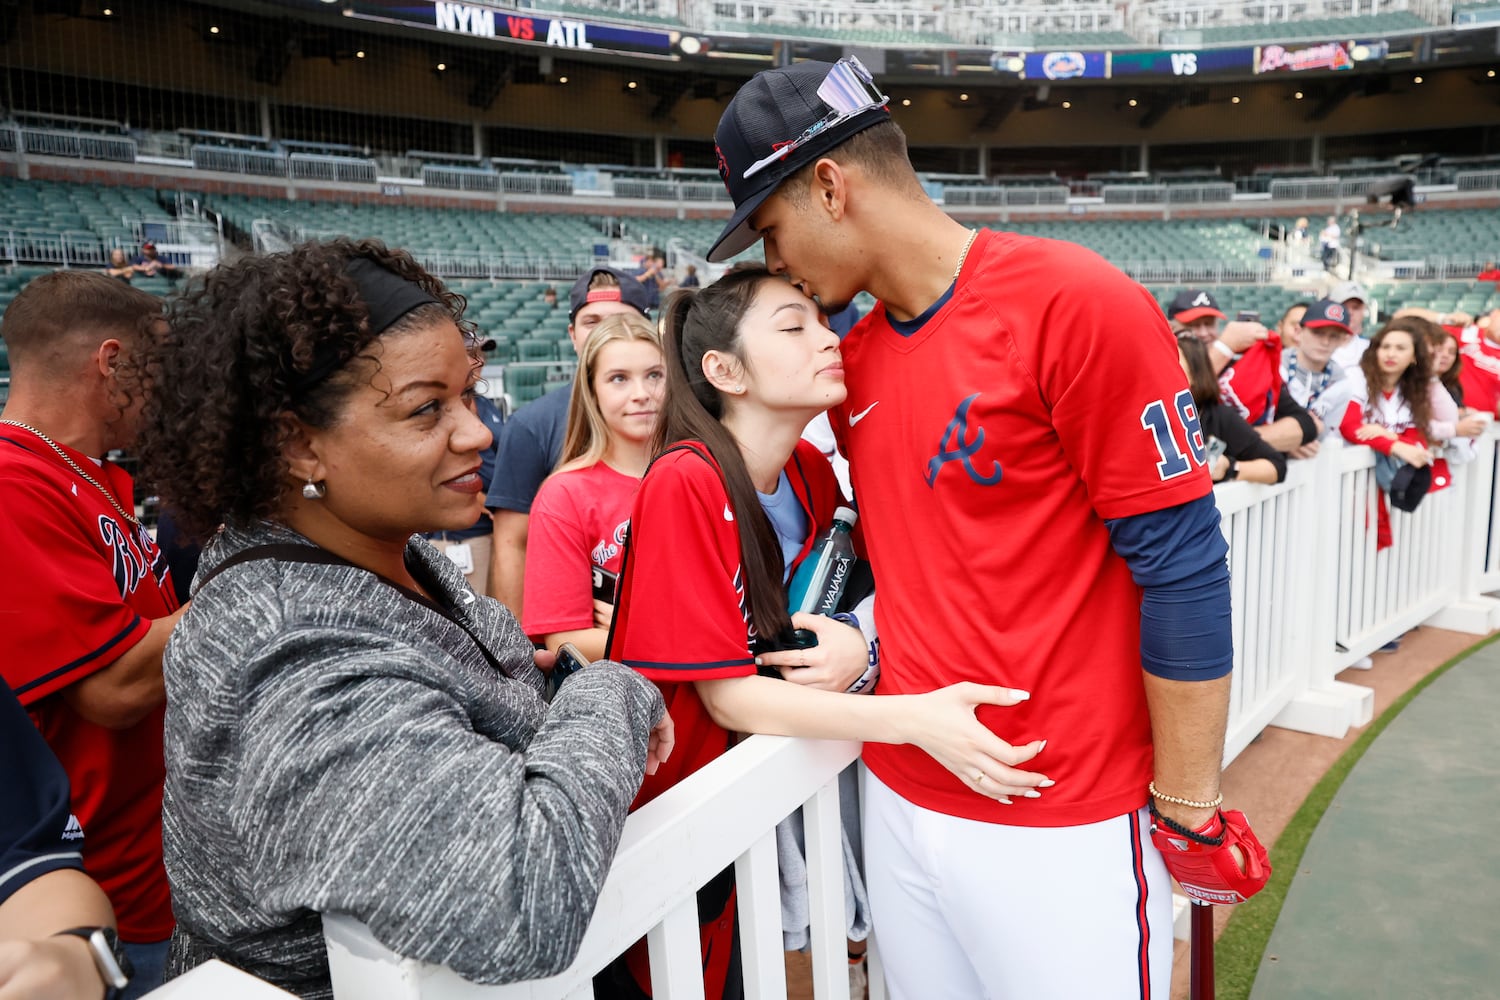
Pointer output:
x,y
978,777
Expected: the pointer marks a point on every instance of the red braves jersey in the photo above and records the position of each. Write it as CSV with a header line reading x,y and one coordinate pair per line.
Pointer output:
x,y
1480,375
85,588
578,521
987,450
681,614
1253,383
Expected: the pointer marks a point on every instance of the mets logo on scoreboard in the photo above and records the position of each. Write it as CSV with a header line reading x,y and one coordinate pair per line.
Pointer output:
x,y
960,442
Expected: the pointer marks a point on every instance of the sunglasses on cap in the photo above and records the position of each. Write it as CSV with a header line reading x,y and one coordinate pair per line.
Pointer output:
x,y
849,90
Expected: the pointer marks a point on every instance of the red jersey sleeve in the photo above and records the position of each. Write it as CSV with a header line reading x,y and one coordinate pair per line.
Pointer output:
x,y
1107,368
1354,419
680,615
64,616
1252,383
558,596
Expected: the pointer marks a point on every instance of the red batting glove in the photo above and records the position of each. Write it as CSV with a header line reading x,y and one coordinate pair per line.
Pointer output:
x,y
1201,860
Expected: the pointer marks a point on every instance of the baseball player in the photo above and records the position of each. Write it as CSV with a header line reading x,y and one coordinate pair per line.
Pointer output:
x,y
1031,480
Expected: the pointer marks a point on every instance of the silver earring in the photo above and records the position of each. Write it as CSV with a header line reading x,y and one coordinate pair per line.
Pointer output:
x,y
739,389
313,491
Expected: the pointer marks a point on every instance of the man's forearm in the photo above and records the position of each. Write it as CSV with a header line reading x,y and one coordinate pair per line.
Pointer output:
x,y
54,902
1188,721
131,687
1283,435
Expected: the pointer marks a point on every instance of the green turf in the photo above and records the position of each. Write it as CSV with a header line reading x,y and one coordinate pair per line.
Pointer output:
x,y
1238,953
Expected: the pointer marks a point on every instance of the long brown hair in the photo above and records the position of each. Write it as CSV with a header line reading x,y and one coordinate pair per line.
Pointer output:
x,y
695,322
1450,379
1413,382
1200,371
587,438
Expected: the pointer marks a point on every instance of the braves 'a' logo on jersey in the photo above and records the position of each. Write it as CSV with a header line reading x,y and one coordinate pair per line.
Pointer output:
x,y
133,557
962,449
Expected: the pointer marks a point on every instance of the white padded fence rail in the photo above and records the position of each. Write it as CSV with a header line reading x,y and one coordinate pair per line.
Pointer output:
x,y
1311,593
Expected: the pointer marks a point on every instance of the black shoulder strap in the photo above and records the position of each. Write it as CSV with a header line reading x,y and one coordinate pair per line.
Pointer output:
x,y
287,552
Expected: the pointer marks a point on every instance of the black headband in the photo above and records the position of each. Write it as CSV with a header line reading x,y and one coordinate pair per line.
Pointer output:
x,y
386,295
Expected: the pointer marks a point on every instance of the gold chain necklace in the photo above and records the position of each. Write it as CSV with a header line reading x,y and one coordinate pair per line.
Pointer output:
x,y
965,255
74,466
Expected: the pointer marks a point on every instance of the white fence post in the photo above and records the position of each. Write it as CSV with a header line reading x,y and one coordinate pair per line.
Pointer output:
x,y
1476,544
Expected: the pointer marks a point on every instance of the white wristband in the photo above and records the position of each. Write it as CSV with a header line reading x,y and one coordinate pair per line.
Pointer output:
x,y
1224,349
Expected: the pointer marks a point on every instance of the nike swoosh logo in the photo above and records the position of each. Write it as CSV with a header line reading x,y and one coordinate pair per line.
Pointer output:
x,y
728,514
856,418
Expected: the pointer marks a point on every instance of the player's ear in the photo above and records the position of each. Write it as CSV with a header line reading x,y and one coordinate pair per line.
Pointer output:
x,y
829,187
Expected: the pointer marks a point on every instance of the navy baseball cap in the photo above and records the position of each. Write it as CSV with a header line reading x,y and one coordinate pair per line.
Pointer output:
x,y
630,292
1193,305
1326,312
1409,486
778,123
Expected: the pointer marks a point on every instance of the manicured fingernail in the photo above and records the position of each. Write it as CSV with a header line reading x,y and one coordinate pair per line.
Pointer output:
x,y
1032,793
758,663
1042,747
1020,695
1003,801
1045,783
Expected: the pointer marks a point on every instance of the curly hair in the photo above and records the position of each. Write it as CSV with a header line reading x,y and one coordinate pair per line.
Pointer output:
x,y
222,382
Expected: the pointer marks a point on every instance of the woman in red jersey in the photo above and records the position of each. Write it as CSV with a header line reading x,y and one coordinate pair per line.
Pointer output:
x,y
723,517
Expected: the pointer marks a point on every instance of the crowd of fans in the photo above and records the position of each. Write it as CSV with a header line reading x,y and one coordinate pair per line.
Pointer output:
x,y
407,730
342,721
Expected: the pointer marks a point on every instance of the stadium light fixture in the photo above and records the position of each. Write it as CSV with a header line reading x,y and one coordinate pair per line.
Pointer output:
x,y
1134,102
1067,104
631,85
1234,100
965,97
906,102
360,54
1416,79
442,66
213,29
562,79
1490,74
110,13
1298,96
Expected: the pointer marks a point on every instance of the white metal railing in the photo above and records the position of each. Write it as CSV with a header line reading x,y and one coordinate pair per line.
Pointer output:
x,y
1033,195
71,248
1173,272
1478,180
1302,553
80,145
341,169
260,162
459,178
520,182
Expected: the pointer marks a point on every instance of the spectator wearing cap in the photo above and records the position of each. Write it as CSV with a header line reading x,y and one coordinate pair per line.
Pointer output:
x,y
1308,370
150,263
533,439
1247,358
1355,300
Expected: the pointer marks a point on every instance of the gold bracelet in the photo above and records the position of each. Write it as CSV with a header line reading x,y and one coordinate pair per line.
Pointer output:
x,y
1218,800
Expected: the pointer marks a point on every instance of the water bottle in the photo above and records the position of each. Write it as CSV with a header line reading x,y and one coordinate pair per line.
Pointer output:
x,y
819,582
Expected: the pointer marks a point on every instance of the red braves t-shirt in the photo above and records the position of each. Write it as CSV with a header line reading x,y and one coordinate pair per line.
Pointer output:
x,y
987,450
85,588
1480,374
1252,384
578,521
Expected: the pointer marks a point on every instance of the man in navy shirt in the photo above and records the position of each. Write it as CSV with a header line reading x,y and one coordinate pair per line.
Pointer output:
x,y
534,436
45,898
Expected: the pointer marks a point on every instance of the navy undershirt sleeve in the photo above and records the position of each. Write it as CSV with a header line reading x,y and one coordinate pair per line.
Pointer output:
x,y
1179,558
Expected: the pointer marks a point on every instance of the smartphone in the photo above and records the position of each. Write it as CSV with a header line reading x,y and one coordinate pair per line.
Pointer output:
x,y
792,638
1248,316
570,660
605,584
1216,448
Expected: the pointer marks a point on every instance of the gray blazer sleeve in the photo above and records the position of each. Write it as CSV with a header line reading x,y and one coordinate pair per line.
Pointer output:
x,y
367,790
